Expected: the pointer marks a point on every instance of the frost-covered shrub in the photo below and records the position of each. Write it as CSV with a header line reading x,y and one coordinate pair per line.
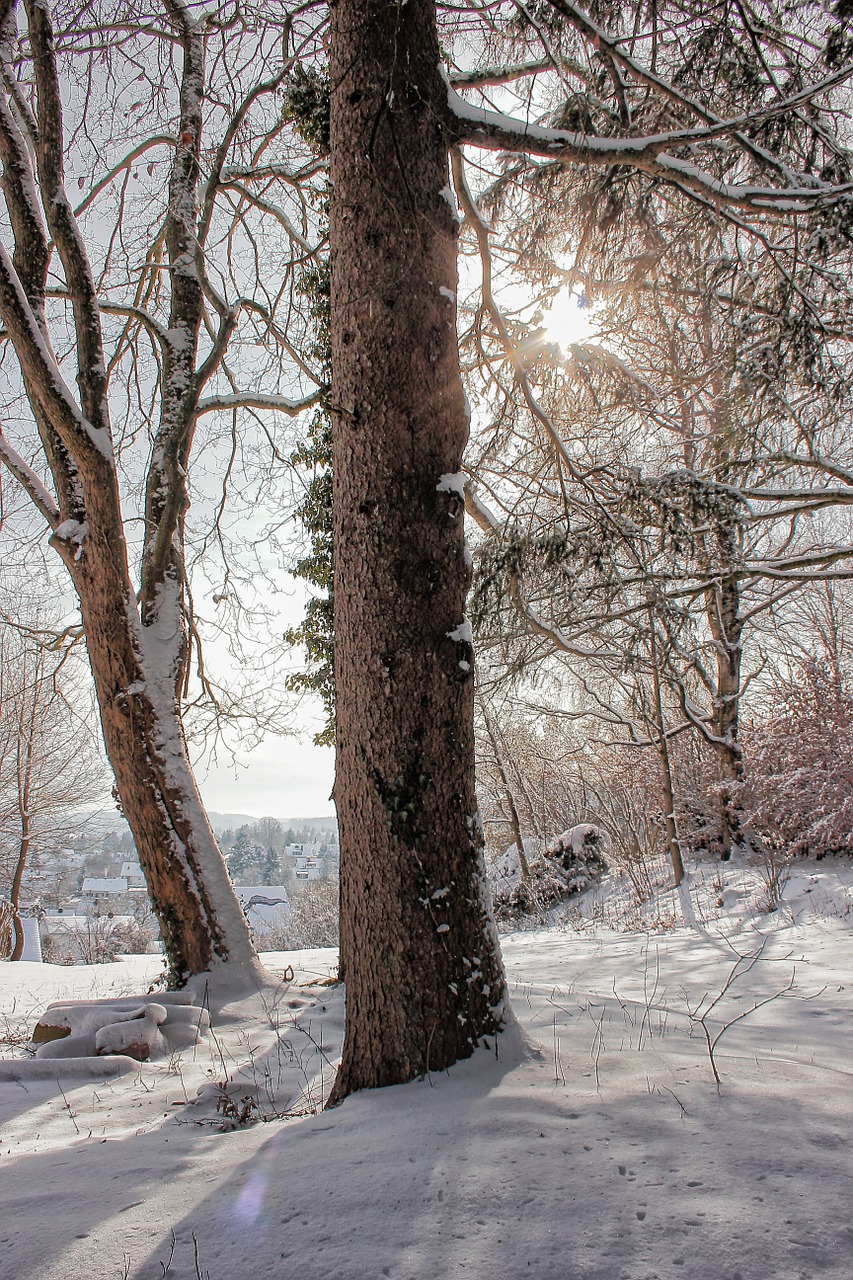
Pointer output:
x,y
568,865
313,921
133,938
798,790
86,941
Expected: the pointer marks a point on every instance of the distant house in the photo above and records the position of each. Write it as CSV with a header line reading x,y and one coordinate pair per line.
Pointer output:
x,y
72,857
94,889
132,873
310,861
267,907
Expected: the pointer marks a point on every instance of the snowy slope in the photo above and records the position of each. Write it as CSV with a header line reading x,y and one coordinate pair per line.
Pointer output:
x,y
608,1154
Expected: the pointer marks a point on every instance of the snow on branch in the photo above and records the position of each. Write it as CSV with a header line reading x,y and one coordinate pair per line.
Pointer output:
x,y
29,482
256,400
606,44
490,77
494,131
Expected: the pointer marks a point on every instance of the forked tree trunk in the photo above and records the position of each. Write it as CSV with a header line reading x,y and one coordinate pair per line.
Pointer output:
x,y
135,670
424,979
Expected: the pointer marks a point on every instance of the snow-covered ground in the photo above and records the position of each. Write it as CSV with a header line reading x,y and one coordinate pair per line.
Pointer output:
x,y
609,1152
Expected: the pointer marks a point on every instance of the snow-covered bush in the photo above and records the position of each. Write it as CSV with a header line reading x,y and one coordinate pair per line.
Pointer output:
x,y
133,937
798,790
567,866
313,921
98,939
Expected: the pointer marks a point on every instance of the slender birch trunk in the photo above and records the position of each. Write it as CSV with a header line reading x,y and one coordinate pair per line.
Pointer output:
x,y
514,820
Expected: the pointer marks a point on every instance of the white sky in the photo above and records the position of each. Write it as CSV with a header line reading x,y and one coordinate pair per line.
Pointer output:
x,y
283,777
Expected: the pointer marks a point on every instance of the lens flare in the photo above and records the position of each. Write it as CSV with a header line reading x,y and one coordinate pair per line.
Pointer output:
x,y
569,319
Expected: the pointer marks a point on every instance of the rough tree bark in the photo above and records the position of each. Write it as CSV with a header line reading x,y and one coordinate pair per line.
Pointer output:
x,y
424,979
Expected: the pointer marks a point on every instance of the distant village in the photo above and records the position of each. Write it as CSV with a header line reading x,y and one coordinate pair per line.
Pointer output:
x,y
84,897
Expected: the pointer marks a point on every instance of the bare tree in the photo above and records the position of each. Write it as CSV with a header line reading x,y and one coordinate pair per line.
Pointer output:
x,y
164,288
49,769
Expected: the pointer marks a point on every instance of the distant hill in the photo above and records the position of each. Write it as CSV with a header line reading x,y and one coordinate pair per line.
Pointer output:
x,y
224,821
110,820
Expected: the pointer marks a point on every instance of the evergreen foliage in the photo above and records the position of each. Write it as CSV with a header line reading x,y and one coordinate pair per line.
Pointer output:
x,y
313,458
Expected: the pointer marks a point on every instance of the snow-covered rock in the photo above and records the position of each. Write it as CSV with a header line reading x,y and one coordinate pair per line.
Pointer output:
x,y
136,1027
138,1037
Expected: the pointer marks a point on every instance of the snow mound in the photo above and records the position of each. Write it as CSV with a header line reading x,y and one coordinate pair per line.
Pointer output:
x,y
135,1027
569,865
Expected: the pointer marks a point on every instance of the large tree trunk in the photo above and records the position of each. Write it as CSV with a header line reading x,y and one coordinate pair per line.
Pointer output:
x,y
424,980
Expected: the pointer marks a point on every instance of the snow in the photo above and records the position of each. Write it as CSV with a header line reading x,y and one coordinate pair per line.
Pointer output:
x,y
158,646
604,1152
452,482
447,194
462,634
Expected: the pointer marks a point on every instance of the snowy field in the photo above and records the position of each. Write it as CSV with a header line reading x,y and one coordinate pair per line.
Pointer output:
x,y
678,1103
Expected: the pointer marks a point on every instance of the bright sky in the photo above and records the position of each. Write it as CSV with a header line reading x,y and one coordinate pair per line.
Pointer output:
x,y
283,778
569,319
289,777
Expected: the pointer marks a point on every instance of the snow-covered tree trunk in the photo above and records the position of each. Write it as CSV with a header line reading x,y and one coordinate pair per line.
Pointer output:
x,y
424,979
135,669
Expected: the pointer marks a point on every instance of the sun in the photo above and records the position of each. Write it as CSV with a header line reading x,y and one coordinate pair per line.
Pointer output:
x,y
568,320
